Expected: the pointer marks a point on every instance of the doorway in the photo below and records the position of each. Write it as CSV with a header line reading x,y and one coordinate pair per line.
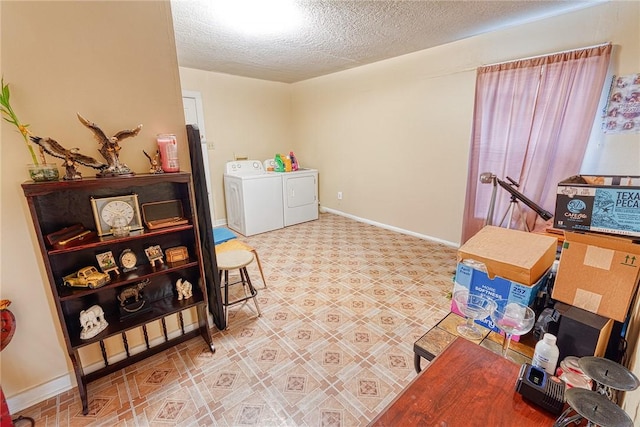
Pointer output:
x,y
194,115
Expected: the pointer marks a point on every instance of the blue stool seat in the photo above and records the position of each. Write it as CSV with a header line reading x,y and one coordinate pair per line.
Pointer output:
x,y
222,234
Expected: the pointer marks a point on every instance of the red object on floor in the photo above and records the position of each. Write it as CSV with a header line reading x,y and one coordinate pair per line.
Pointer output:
x,y
5,416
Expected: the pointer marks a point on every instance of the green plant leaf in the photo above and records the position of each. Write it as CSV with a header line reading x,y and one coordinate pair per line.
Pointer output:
x,y
6,94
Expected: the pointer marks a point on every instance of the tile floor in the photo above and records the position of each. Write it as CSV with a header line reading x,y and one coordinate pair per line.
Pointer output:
x,y
345,301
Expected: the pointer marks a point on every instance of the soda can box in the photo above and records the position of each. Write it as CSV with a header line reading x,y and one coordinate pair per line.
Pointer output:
x,y
605,204
477,281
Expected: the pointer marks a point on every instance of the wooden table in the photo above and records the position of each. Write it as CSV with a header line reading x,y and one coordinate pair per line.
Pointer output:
x,y
436,339
466,385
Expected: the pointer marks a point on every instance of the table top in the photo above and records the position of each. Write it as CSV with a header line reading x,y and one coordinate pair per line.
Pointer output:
x,y
466,385
436,339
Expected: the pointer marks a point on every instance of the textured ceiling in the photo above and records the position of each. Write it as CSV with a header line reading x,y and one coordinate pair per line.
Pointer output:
x,y
338,35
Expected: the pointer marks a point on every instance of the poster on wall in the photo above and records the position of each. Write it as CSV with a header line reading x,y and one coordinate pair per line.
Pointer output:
x,y
622,114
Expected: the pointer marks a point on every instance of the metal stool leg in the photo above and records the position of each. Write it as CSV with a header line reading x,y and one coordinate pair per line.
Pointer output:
x,y
225,303
252,290
243,280
255,253
236,260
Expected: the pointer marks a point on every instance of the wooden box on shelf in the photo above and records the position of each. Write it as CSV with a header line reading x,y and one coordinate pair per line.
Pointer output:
x,y
57,205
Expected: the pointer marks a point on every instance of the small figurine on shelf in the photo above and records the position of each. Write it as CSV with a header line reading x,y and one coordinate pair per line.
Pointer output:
x,y
184,289
110,148
107,262
71,157
92,321
154,162
154,253
132,297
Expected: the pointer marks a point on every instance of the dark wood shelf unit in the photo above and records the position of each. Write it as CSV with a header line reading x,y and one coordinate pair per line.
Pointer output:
x,y
109,240
56,205
159,309
141,273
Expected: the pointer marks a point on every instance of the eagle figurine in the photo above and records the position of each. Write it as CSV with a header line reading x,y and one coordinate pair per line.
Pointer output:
x,y
110,147
154,162
71,157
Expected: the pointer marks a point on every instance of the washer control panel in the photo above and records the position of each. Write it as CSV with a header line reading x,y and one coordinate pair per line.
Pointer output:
x,y
244,167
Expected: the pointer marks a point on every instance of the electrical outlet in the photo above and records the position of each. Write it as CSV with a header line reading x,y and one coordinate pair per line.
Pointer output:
x,y
339,195
211,145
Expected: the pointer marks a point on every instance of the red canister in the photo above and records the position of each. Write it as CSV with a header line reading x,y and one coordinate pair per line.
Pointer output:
x,y
168,146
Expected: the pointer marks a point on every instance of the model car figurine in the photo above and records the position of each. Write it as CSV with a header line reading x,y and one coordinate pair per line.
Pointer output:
x,y
87,277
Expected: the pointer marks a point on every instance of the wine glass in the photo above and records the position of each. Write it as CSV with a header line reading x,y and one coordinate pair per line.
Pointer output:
x,y
473,307
512,318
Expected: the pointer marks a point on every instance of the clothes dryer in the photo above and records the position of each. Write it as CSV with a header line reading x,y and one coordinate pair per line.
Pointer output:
x,y
300,196
253,198
299,193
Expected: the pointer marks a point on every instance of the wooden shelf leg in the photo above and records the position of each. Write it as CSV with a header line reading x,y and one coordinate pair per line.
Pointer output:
x,y
82,384
204,327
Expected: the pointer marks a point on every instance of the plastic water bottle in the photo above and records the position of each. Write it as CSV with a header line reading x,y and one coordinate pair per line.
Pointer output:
x,y
545,355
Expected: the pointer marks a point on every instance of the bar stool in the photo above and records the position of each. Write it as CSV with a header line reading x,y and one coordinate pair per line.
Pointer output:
x,y
226,240
236,260
235,245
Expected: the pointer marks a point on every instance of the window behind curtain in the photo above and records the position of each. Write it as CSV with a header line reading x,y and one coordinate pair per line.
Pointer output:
x,y
532,120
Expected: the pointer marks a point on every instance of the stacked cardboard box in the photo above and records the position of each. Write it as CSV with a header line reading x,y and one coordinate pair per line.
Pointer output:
x,y
606,204
504,264
598,272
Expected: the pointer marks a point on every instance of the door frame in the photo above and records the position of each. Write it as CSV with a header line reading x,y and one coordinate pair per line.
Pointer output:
x,y
197,97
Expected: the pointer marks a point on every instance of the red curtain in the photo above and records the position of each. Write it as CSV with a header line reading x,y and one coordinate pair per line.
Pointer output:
x,y
532,120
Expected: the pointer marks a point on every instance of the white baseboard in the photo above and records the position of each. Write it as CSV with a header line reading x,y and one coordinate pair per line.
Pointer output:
x,y
389,227
324,209
66,382
39,393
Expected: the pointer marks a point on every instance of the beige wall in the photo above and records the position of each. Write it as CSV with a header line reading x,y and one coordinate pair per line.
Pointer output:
x,y
394,136
243,117
115,63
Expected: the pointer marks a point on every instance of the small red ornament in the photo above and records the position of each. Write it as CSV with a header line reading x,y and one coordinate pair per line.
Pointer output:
x,y
8,321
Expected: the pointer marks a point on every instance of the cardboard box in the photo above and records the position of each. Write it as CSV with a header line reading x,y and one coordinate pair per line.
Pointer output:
x,y
606,204
511,254
598,273
478,282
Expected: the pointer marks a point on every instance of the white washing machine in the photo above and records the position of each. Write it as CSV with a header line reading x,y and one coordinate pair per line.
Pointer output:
x,y
299,194
253,198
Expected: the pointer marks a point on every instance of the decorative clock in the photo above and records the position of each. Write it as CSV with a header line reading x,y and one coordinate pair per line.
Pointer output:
x,y
110,211
128,260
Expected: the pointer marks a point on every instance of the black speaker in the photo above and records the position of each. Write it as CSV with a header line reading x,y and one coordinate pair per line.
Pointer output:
x,y
582,333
